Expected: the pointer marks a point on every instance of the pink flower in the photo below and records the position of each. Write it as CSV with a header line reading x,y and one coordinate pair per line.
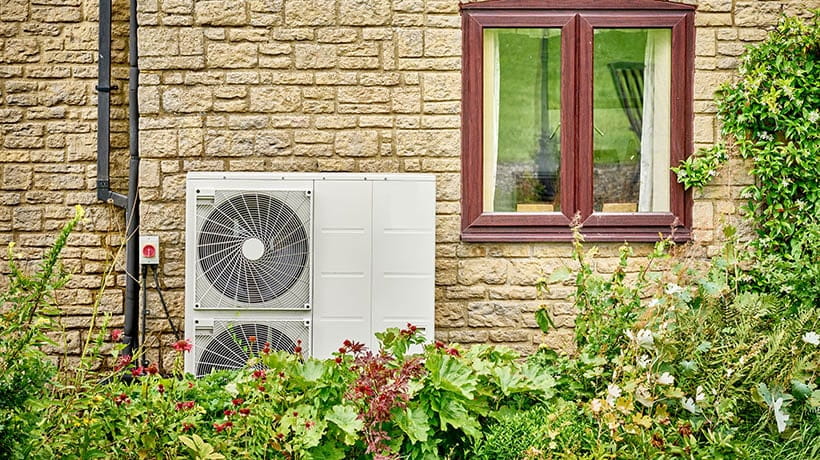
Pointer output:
x,y
186,405
219,427
116,334
123,361
137,371
122,398
152,369
183,345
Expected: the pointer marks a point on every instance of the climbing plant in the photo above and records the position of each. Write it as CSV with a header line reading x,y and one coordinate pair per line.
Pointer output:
x,y
771,116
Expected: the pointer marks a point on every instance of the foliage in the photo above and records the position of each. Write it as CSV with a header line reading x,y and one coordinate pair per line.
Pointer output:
x,y
360,404
27,315
693,363
771,114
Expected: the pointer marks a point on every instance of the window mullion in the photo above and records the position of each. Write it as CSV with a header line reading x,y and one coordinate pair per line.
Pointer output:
x,y
584,120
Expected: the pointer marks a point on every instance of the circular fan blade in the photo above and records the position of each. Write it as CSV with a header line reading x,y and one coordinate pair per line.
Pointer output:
x,y
253,248
232,348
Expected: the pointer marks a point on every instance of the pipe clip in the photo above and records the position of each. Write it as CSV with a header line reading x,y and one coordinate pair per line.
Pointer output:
x,y
106,89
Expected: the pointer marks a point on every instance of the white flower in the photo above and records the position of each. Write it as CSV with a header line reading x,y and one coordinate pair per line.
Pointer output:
x,y
689,405
645,339
643,361
666,379
673,289
814,116
765,136
780,417
612,393
699,394
654,303
812,338
596,405
729,372
629,335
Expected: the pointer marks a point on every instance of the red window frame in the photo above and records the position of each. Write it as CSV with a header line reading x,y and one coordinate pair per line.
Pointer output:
x,y
577,20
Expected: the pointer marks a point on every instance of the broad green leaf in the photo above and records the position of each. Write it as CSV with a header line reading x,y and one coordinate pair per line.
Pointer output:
x,y
346,418
414,423
559,275
542,318
448,373
454,413
508,380
313,370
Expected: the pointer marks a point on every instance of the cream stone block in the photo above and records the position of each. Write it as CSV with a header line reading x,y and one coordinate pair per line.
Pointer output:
x,y
364,12
442,42
220,12
275,99
441,86
310,12
360,143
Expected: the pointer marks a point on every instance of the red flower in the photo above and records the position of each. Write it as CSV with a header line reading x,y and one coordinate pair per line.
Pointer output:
x,y
259,374
229,412
137,371
244,411
261,388
439,344
219,427
152,369
252,339
343,350
453,352
183,345
309,424
411,329
338,360
116,334
237,401
122,398
266,348
347,343
190,385
123,361
356,347
298,348
186,405
161,388
186,427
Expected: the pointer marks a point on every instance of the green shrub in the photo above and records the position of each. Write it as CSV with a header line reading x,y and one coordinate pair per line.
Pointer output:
x,y
28,313
360,404
693,362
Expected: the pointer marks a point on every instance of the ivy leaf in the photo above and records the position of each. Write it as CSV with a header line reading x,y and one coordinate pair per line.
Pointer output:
x,y
414,423
559,275
542,317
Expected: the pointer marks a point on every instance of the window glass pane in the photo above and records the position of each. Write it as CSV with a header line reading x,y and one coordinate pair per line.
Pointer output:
x,y
631,113
522,113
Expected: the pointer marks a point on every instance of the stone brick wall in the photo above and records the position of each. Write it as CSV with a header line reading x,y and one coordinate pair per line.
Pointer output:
x,y
296,85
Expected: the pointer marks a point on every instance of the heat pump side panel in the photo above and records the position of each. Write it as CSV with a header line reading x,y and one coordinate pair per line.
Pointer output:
x,y
404,255
342,264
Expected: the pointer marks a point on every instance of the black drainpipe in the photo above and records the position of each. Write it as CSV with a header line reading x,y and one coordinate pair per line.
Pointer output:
x,y
130,202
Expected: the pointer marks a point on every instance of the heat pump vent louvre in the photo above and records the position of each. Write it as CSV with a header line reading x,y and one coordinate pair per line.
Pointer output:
x,y
232,344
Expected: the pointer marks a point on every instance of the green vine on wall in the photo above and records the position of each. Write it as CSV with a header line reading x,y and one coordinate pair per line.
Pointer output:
x,y
771,115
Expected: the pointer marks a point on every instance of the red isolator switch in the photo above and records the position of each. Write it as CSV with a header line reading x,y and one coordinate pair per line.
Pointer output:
x,y
149,250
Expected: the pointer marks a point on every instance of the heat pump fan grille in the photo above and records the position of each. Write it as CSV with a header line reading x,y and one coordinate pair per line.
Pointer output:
x,y
231,346
253,248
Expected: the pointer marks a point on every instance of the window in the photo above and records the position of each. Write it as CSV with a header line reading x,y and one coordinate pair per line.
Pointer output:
x,y
575,108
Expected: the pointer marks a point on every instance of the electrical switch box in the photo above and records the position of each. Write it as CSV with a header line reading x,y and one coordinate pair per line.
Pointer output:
x,y
149,250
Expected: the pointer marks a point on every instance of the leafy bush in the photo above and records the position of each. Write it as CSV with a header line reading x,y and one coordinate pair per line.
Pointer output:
x,y
692,363
771,114
28,312
361,404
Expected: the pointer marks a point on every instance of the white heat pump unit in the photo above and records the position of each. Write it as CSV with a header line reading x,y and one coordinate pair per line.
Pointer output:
x,y
304,259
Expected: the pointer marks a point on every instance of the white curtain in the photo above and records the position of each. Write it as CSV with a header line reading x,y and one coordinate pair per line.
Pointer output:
x,y
657,96
492,80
